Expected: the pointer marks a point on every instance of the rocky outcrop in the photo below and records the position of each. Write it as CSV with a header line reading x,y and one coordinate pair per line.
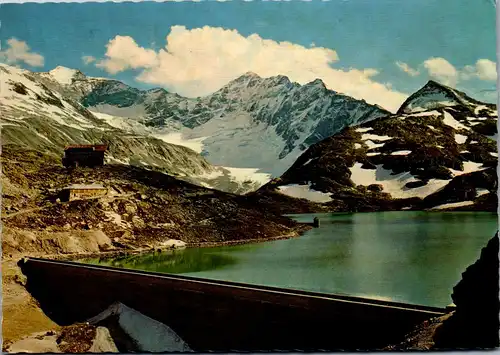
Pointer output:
x,y
475,323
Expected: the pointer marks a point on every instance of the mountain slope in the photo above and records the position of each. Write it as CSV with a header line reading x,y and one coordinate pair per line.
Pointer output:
x,y
434,95
38,112
267,123
252,122
142,209
441,158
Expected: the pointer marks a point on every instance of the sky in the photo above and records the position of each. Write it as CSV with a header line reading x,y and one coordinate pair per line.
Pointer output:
x,y
380,51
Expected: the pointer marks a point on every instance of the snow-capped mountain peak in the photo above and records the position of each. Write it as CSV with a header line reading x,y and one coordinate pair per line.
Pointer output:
x,y
40,111
440,158
317,83
434,95
250,74
251,122
243,80
65,76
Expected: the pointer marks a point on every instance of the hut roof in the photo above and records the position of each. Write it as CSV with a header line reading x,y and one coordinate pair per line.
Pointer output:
x,y
96,147
84,187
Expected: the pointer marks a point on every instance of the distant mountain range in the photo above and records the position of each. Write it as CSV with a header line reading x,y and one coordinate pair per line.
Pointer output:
x,y
252,122
438,152
42,111
439,149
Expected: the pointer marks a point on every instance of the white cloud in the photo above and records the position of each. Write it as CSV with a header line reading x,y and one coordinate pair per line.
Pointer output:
x,y
442,70
484,69
200,61
19,51
124,53
87,59
407,69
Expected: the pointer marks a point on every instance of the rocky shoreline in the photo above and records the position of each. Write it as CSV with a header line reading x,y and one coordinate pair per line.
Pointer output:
x,y
128,252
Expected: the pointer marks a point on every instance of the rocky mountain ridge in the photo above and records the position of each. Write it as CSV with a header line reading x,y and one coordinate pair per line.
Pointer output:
x,y
252,122
437,156
434,96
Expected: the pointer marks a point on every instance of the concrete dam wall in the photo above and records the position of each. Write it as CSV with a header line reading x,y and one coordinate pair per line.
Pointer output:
x,y
223,316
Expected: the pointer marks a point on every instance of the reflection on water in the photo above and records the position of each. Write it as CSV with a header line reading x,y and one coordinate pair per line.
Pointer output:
x,y
172,261
413,257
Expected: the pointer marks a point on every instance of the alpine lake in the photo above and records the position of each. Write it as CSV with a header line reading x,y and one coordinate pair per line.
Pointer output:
x,y
411,257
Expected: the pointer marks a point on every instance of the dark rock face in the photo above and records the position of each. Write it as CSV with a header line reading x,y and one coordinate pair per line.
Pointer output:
x,y
20,88
375,187
415,184
475,323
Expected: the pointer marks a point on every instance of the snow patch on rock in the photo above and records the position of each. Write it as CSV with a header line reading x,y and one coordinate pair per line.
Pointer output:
x,y
460,138
453,205
63,75
469,167
173,243
427,113
393,184
430,100
177,138
372,145
363,129
248,174
449,120
368,136
212,174
481,192
401,152
305,191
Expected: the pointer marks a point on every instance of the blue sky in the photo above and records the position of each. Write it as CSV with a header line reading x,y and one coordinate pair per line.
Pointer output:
x,y
382,46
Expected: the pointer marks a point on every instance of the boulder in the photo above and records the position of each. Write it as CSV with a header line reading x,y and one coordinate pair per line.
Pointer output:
x,y
415,184
130,209
173,244
375,187
138,222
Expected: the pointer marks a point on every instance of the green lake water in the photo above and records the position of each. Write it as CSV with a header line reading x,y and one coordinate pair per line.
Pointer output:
x,y
413,257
